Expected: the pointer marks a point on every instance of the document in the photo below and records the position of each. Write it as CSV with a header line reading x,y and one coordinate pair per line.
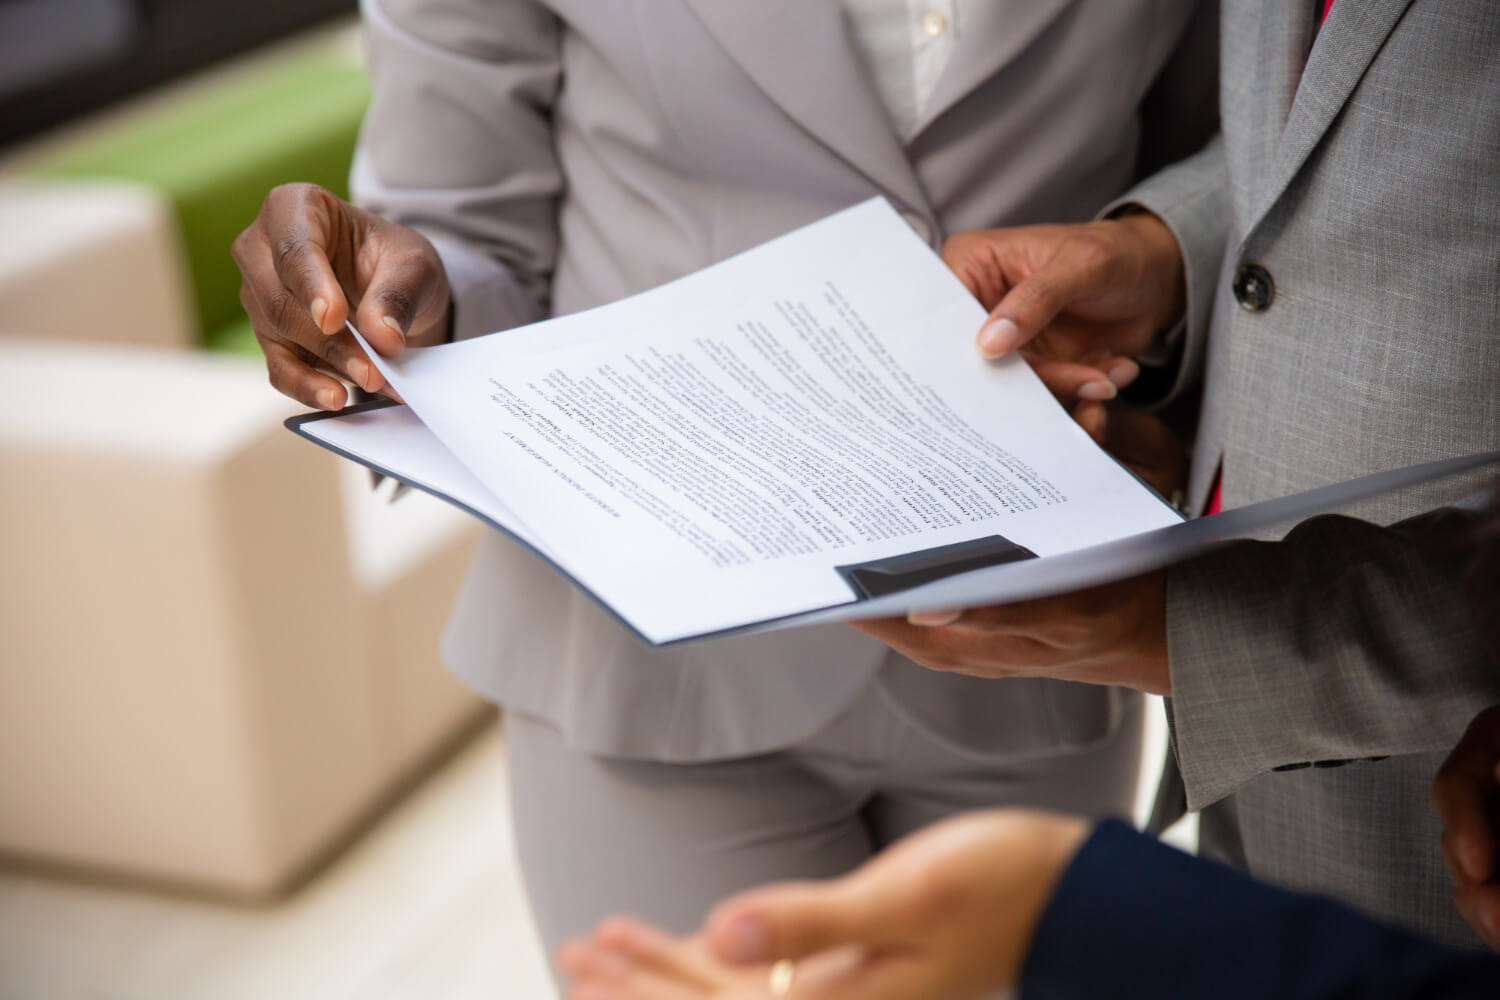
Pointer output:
x,y
803,432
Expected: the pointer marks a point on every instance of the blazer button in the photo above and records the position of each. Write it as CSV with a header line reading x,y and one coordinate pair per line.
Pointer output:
x,y
1253,287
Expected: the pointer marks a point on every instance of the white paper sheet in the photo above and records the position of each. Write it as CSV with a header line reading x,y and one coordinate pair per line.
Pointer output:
x,y
392,440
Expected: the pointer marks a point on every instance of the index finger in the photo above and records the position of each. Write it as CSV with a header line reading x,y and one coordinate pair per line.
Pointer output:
x,y
279,320
1036,300
302,224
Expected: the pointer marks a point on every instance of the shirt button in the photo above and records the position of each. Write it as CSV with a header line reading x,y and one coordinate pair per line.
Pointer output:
x,y
934,23
1253,287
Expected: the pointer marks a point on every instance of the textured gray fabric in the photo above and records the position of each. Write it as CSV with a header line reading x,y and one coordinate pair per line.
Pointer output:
x,y
1367,186
1345,640
1190,198
568,152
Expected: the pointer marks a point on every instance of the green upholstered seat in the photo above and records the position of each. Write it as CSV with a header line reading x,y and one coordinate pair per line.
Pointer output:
x,y
238,338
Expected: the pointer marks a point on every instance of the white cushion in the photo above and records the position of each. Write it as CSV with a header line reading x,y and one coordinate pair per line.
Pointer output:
x,y
194,686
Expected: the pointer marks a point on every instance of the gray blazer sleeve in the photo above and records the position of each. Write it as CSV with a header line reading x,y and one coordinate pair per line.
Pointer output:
x,y
473,80
1342,641
1192,198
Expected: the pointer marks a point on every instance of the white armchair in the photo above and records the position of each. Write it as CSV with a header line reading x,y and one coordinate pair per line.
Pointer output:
x,y
218,648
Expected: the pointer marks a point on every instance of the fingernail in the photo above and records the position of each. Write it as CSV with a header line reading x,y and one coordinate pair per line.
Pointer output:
x,y
332,399
1124,373
319,310
359,371
998,337
1098,390
934,619
390,321
746,939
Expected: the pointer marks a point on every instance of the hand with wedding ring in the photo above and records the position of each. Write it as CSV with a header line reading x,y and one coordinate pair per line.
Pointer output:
x,y
946,914
628,960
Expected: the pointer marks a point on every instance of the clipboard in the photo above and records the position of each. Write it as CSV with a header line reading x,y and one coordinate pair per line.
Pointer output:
x,y
982,571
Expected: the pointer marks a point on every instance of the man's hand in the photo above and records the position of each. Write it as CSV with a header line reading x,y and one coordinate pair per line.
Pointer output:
x,y
1114,634
1079,301
946,914
308,259
1144,444
1466,796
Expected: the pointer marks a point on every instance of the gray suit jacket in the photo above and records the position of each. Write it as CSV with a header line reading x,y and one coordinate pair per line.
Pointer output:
x,y
1367,186
565,153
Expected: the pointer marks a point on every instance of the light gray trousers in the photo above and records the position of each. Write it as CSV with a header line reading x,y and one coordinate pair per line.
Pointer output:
x,y
665,842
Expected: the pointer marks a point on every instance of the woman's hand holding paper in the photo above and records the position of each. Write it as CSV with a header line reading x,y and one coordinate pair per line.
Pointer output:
x,y
309,260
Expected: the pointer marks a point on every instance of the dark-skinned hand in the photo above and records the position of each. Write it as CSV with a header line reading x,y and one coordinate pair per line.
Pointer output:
x,y
311,261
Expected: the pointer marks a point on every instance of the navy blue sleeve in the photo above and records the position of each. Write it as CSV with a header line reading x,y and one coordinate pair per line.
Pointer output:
x,y
1132,917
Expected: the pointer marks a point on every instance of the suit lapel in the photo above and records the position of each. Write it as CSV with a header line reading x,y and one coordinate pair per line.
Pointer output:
x,y
1345,47
991,35
800,54
1260,74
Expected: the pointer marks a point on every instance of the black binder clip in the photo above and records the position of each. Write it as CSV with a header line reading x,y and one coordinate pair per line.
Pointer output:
x,y
892,574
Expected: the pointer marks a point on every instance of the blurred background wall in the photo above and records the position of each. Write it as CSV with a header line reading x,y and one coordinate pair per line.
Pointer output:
x,y
67,57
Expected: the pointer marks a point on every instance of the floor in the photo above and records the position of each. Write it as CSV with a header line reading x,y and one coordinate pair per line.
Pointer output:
x,y
427,906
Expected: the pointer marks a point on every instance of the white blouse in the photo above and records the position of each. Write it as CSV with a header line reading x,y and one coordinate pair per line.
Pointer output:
x,y
906,44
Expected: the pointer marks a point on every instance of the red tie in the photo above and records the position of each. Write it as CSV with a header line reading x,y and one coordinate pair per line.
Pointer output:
x,y
1216,498
1216,495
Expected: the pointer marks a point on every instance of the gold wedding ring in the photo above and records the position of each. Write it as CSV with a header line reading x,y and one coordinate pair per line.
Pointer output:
x,y
782,974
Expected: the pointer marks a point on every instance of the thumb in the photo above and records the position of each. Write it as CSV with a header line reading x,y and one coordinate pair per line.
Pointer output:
x,y
406,283
794,920
1032,303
